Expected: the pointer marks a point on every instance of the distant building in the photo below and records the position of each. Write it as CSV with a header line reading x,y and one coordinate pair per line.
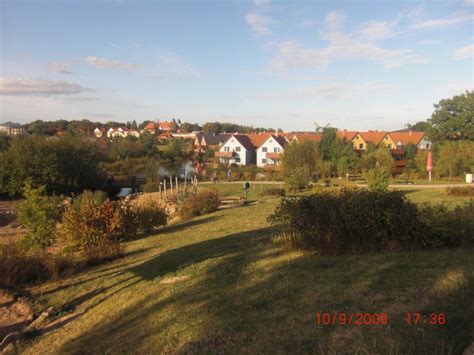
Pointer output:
x,y
271,151
12,129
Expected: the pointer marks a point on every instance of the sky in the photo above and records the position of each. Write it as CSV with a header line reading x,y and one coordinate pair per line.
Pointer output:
x,y
353,64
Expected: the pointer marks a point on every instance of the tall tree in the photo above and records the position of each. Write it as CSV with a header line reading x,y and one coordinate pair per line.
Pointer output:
x,y
453,119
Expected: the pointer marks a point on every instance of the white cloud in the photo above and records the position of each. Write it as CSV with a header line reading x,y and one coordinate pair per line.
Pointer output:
x,y
429,42
378,30
259,24
102,63
454,19
293,55
332,91
261,3
59,68
466,52
38,87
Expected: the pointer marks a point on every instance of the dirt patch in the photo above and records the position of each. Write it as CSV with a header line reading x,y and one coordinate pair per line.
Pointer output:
x,y
15,313
10,228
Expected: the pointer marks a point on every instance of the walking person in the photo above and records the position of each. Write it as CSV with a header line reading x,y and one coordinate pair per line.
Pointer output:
x,y
229,175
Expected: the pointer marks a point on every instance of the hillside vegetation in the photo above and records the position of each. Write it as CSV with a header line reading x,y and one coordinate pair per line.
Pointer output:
x,y
218,283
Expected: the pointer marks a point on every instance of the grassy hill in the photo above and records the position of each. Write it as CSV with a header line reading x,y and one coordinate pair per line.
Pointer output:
x,y
219,284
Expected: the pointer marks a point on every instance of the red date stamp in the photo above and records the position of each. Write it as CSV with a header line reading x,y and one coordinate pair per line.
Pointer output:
x,y
342,318
368,318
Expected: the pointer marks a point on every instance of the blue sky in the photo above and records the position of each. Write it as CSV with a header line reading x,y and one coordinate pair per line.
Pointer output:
x,y
281,64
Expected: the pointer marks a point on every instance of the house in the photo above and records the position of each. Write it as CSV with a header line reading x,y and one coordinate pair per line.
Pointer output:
x,y
165,126
115,132
150,127
271,150
237,149
100,132
204,141
401,139
132,132
362,139
12,129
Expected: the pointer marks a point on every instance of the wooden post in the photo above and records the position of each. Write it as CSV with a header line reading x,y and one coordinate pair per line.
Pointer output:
x,y
164,186
171,185
159,188
177,186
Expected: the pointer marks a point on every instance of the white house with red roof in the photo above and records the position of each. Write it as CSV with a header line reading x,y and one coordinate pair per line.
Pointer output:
x,y
271,150
237,149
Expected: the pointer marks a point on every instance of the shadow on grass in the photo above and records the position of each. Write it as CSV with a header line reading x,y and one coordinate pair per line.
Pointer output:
x,y
239,307
179,226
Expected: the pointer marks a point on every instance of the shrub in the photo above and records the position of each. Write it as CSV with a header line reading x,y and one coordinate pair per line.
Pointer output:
x,y
18,267
151,186
38,213
298,179
460,191
199,203
150,216
274,191
356,221
377,179
103,224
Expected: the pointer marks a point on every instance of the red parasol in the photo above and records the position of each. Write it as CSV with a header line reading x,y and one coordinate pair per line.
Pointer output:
x,y
429,163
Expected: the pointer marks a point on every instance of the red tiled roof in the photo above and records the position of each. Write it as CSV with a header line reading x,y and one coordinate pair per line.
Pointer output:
x,y
257,139
305,137
165,126
373,136
407,137
349,135
151,126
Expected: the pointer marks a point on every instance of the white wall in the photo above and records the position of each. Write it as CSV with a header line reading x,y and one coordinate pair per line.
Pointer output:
x,y
232,145
270,144
424,144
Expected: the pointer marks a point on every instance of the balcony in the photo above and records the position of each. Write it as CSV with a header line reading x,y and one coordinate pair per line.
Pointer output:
x,y
227,155
274,156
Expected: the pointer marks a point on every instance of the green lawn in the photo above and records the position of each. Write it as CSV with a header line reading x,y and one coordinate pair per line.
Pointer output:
x,y
218,284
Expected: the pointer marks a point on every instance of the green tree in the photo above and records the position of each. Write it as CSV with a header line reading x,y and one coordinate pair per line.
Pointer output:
x,y
378,158
300,163
38,213
63,165
453,119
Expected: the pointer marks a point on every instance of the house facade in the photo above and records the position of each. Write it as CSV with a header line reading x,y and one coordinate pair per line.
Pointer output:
x,y
271,151
12,129
237,149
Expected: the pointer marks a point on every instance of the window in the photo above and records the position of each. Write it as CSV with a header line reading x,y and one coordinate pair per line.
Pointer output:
x,y
264,149
389,145
237,160
427,146
361,146
237,149
264,161
276,150
226,149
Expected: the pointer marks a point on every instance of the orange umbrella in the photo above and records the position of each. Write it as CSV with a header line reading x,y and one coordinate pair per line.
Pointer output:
x,y
429,162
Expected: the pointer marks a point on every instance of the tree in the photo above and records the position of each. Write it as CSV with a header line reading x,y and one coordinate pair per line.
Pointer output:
x,y
63,165
338,154
378,158
454,158
300,163
39,214
453,119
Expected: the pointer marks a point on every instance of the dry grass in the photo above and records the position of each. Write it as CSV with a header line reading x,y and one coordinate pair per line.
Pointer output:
x,y
218,284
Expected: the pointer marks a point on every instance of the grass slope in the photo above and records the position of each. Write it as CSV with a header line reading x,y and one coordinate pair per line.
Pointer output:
x,y
218,284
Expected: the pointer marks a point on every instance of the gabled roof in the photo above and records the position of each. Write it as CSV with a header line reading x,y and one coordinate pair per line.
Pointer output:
x,y
280,139
306,137
11,124
407,137
243,139
349,135
150,126
215,139
165,126
373,136
257,139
